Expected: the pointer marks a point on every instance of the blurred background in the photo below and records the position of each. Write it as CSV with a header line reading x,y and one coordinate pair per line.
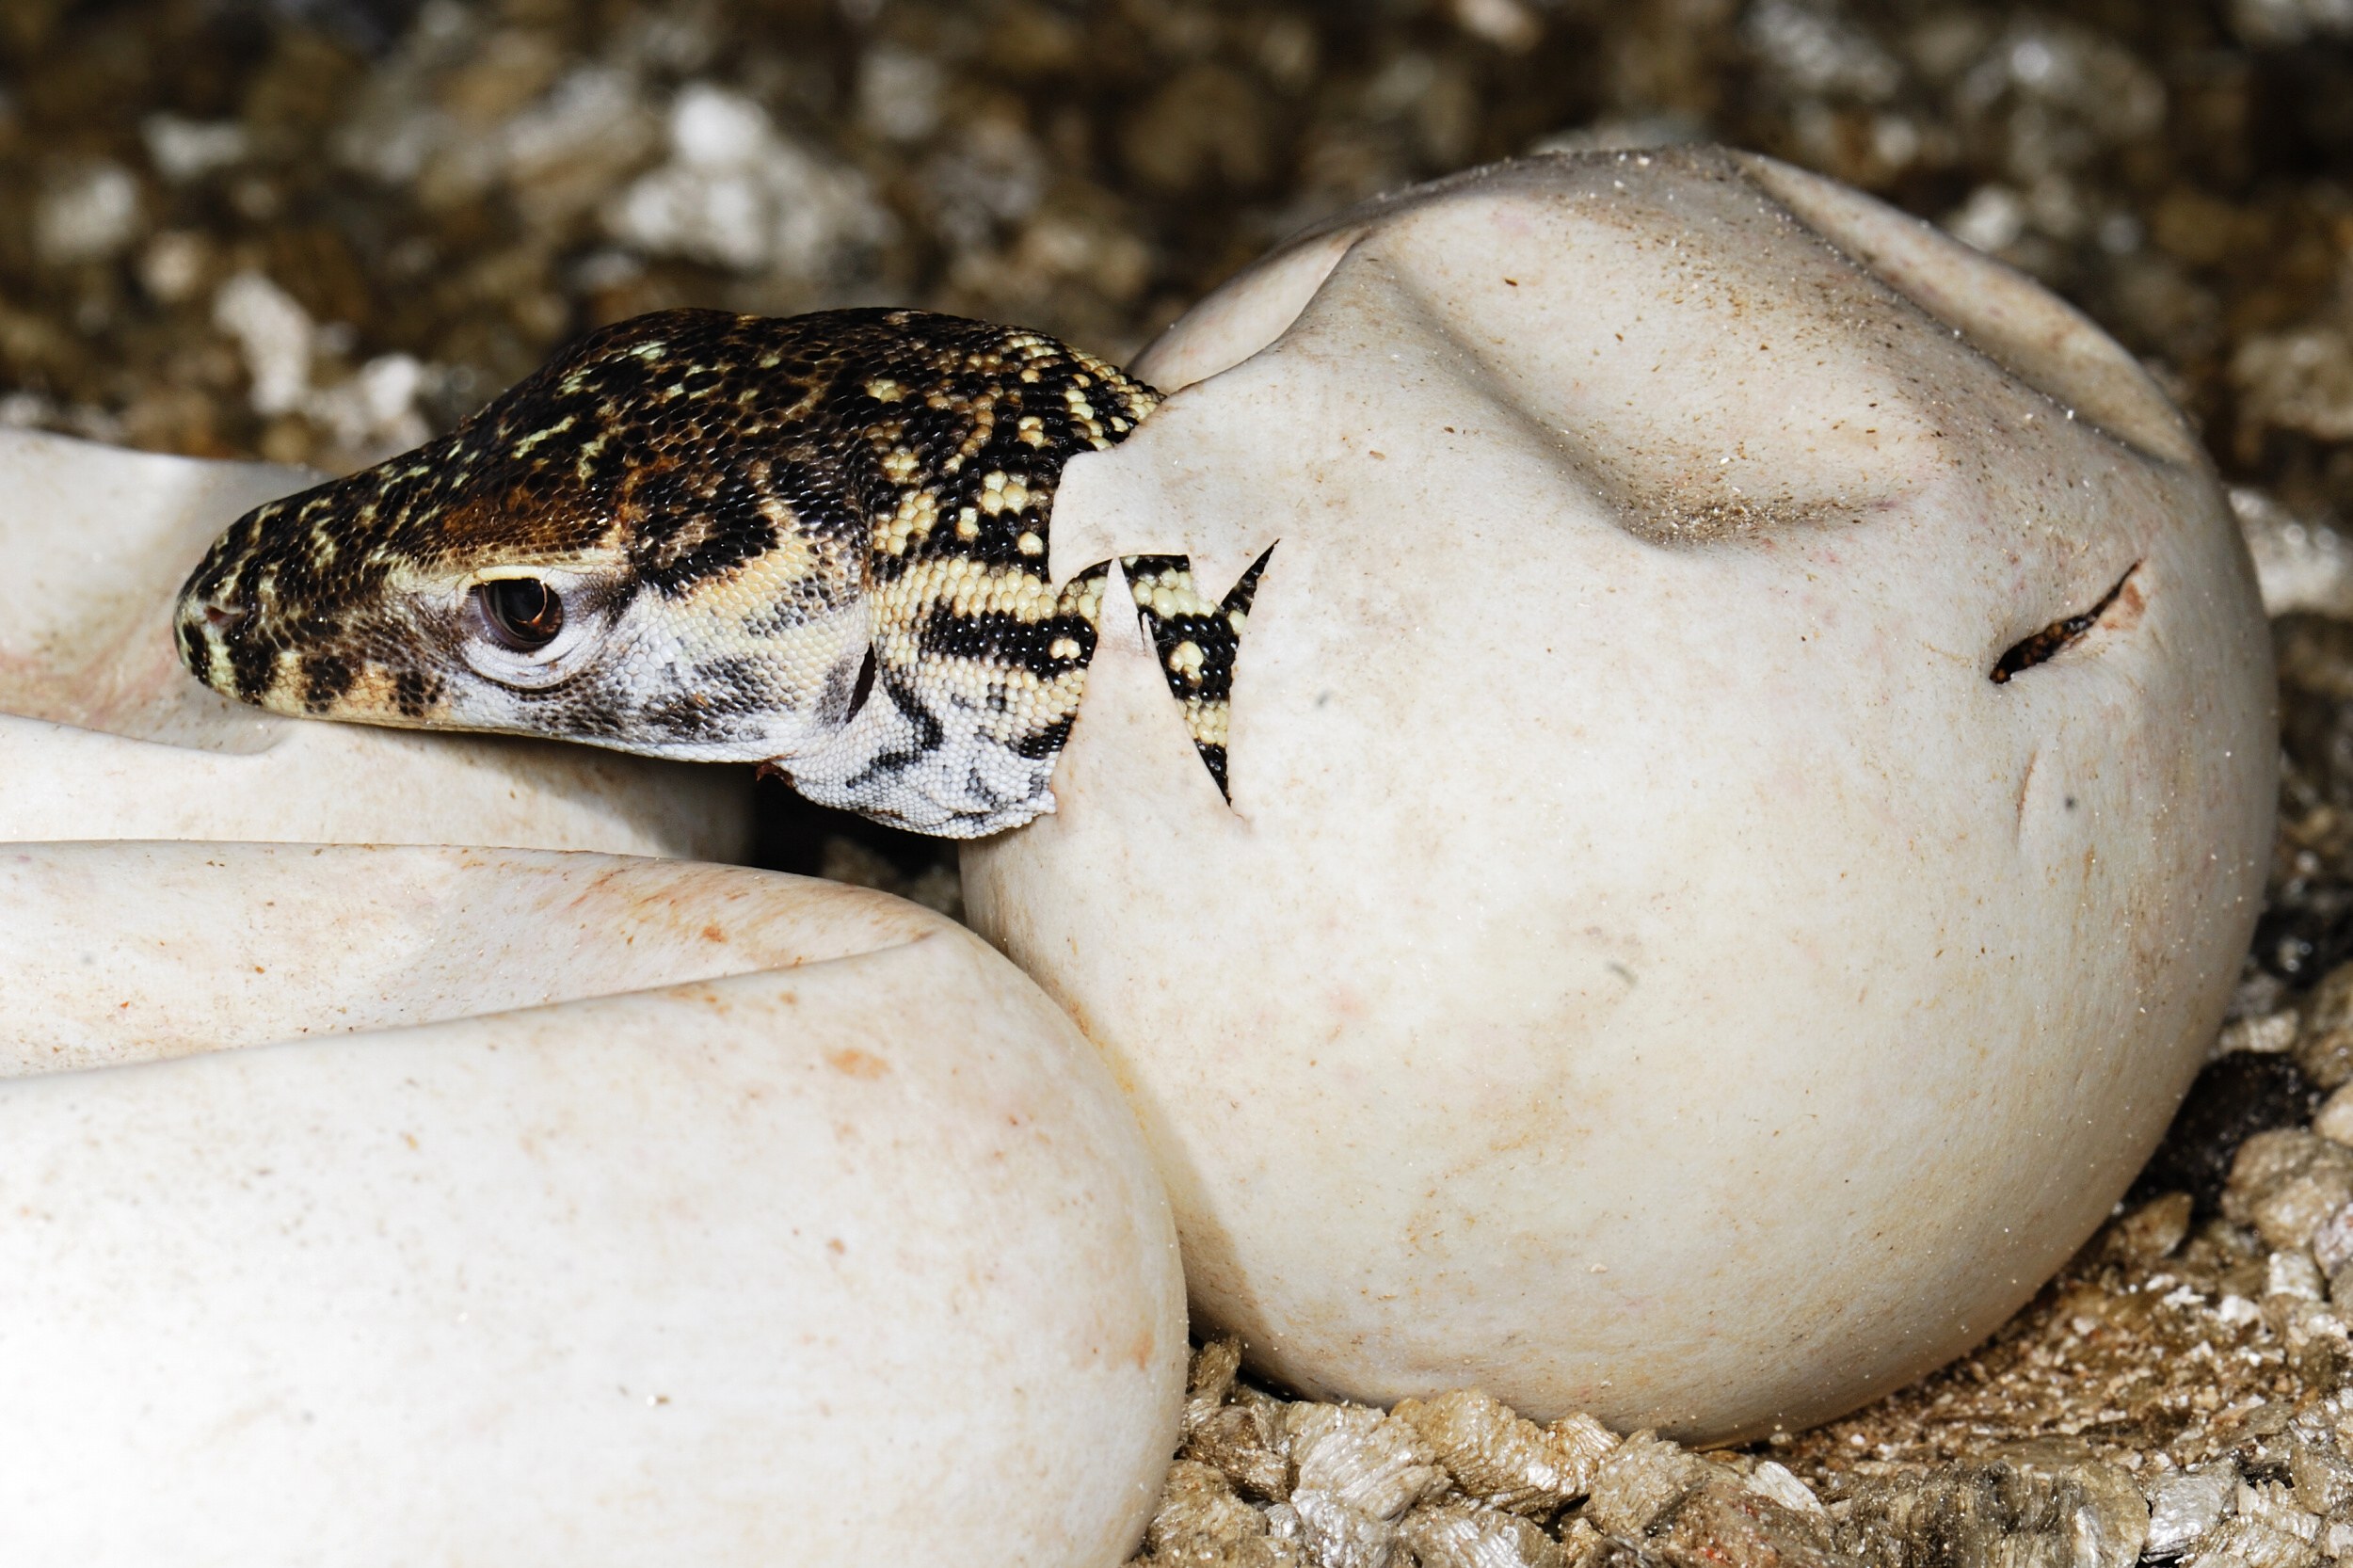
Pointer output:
x,y
319,231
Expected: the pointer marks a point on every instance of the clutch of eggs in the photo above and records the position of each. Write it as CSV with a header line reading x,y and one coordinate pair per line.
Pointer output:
x,y
387,1205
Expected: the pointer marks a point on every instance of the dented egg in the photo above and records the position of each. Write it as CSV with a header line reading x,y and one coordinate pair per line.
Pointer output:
x,y
1750,773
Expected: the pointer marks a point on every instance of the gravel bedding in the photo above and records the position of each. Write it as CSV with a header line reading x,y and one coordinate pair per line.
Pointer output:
x,y
319,231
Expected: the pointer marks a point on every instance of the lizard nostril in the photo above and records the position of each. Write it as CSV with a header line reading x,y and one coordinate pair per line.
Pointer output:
x,y
216,614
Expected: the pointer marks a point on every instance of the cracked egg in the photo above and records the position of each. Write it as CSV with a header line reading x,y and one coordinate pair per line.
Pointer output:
x,y
1750,769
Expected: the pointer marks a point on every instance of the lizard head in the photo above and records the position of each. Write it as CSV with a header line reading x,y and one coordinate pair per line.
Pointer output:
x,y
645,545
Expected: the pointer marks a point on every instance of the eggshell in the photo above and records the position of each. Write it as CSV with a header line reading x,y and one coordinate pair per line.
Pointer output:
x,y
646,1213
1648,964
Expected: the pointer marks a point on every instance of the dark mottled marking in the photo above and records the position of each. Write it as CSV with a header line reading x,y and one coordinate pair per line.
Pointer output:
x,y
1008,640
413,692
253,665
325,677
1211,685
928,730
692,528
193,652
686,714
1048,741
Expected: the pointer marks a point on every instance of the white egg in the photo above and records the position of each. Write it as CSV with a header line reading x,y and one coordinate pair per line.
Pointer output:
x,y
103,735
1682,945
649,1213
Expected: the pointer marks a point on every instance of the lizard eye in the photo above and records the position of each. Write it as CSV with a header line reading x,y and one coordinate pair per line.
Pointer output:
x,y
522,615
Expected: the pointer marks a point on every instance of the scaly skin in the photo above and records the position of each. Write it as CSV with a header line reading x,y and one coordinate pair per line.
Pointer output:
x,y
818,543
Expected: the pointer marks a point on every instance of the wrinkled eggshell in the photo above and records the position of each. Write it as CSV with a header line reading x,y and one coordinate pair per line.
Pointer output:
x,y
103,735
1649,966
719,1217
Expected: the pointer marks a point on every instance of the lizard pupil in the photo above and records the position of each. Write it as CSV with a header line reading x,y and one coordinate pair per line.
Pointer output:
x,y
521,614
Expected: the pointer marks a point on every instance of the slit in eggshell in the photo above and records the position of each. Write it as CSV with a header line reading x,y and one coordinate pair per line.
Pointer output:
x,y
2062,635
